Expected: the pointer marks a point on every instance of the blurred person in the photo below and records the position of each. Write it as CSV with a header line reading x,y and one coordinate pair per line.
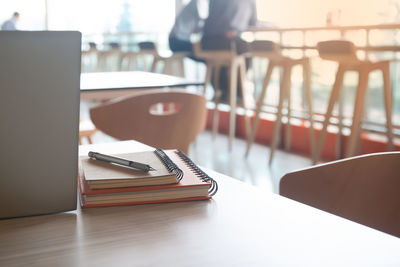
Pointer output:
x,y
10,24
188,22
227,19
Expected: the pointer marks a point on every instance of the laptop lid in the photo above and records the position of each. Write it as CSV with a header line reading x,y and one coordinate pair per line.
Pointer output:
x,y
39,120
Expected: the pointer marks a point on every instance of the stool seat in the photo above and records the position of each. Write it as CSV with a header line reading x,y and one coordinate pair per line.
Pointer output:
x,y
271,51
344,53
150,48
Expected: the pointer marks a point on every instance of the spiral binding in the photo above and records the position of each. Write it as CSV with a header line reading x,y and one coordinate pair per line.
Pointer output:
x,y
199,172
169,164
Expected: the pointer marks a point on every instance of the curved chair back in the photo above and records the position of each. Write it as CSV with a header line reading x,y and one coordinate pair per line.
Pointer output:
x,y
337,50
364,189
164,119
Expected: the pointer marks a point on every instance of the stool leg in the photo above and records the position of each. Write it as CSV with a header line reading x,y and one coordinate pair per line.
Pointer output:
x,y
284,88
154,64
260,103
215,121
169,67
387,92
288,132
181,67
332,101
242,70
121,60
358,112
135,62
308,94
339,137
233,70
207,79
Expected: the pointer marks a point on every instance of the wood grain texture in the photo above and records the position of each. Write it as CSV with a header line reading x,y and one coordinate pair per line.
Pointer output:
x,y
240,226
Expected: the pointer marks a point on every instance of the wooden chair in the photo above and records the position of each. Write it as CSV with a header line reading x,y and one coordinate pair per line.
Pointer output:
x,y
86,130
173,64
272,51
364,189
147,117
236,64
344,52
109,60
89,58
129,59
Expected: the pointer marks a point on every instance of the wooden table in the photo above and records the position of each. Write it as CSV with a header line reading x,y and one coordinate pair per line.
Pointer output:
x,y
240,226
107,85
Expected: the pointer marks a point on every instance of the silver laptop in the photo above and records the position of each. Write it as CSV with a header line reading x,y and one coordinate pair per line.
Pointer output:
x,y
39,120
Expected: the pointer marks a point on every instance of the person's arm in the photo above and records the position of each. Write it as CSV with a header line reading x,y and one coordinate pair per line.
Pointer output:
x,y
253,17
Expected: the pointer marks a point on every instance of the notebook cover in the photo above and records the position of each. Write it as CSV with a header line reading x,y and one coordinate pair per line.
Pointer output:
x,y
189,180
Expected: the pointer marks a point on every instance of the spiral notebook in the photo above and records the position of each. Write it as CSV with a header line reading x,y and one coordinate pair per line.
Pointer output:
x,y
103,175
194,184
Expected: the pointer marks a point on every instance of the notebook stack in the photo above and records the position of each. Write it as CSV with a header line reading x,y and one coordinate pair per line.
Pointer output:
x,y
175,178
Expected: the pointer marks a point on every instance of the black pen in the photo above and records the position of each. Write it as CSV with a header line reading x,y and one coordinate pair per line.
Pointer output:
x,y
124,162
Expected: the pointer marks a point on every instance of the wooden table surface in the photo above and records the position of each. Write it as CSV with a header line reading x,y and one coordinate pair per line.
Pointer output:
x,y
102,85
240,226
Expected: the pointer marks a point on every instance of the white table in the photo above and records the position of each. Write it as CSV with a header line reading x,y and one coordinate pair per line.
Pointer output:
x,y
240,226
107,85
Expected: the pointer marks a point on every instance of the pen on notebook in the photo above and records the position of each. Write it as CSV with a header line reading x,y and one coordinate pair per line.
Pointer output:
x,y
124,162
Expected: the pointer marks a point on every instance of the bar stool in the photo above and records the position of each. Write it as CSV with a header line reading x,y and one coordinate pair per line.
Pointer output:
x,y
215,59
271,51
173,64
110,57
344,52
89,58
129,58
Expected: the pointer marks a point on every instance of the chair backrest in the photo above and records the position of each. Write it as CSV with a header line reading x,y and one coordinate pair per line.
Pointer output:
x,y
165,119
364,189
337,50
148,47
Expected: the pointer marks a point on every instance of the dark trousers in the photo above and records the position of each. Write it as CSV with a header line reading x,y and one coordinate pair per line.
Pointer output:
x,y
178,45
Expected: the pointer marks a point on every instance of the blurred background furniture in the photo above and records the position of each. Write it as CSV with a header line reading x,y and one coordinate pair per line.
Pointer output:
x,y
127,60
364,189
86,131
272,51
172,64
89,58
108,59
165,119
215,59
344,52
